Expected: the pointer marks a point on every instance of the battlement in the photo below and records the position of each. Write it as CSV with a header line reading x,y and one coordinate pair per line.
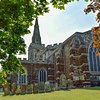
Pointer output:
x,y
54,46
49,47
60,43
43,45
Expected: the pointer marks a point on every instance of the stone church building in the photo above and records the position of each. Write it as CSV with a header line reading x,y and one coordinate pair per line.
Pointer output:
x,y
73,59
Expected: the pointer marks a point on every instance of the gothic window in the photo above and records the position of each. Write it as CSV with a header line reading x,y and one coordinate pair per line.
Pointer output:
x,y
22,78
94,61
42,75
98,60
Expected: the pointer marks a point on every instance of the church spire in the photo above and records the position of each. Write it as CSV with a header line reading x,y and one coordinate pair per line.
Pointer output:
x,y
36,34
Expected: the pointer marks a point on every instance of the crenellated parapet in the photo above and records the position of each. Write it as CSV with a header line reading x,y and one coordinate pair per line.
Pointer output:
x,y
54,46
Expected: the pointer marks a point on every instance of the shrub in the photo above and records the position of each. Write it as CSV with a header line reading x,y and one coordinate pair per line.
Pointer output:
x,y
18,90
35,88
6,89
52,86
23,89
29,89
13,88
41,87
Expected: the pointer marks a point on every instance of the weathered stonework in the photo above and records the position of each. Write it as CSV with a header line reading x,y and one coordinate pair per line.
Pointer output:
x,y
69,58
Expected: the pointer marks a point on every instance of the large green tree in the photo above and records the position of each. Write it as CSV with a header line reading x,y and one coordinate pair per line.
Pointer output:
x,y
15,18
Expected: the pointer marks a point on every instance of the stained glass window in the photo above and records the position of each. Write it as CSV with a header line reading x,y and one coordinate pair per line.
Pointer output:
x,y
94,60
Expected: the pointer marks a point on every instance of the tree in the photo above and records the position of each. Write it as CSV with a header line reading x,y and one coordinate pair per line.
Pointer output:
x,y
15,18
95,7
2,80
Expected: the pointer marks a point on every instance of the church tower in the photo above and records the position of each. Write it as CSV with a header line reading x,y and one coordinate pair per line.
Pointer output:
x,y
36,46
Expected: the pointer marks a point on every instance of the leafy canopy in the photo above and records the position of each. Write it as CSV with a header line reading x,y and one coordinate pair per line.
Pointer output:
x,y
95,7
15,18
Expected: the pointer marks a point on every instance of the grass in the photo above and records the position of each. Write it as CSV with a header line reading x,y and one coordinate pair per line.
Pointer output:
x,y
92,93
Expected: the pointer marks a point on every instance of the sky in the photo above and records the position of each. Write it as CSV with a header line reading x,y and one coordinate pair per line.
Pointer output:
x,y
57,25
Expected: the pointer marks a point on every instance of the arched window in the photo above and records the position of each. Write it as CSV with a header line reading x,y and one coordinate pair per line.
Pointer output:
x,y
42,75
22,78
94,61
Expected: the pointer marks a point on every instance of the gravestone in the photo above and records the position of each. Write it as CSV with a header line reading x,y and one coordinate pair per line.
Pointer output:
x,y
13,88
18,90
6,89
47,87
62,81
41,87
29,89
35,88
56,86
52,86
23,89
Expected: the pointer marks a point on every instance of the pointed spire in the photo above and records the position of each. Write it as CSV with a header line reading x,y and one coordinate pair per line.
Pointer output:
x,y
36,22
36,34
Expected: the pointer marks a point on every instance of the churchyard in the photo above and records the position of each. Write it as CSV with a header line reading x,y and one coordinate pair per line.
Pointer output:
x,y
12,89
41,87
89,93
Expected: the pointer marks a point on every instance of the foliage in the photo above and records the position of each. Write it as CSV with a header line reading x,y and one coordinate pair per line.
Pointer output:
x,y
29,89
95,7
2,78
6,88
35,88
96,38
18,90
60,4
13,88
15,18
41,87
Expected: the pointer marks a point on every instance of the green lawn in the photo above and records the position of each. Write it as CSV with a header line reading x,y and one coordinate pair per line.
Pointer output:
x,y
73,94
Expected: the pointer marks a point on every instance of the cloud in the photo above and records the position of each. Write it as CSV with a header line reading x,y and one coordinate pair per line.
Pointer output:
x,y
58,25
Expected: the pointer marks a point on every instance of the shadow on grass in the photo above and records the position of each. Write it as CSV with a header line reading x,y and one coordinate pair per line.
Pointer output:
x,y
2,93
92,88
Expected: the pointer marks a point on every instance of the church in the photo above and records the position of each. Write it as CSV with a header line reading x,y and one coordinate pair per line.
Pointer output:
x,y
73,59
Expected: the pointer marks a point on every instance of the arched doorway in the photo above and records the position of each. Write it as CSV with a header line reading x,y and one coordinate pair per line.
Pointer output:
x,y
42,75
